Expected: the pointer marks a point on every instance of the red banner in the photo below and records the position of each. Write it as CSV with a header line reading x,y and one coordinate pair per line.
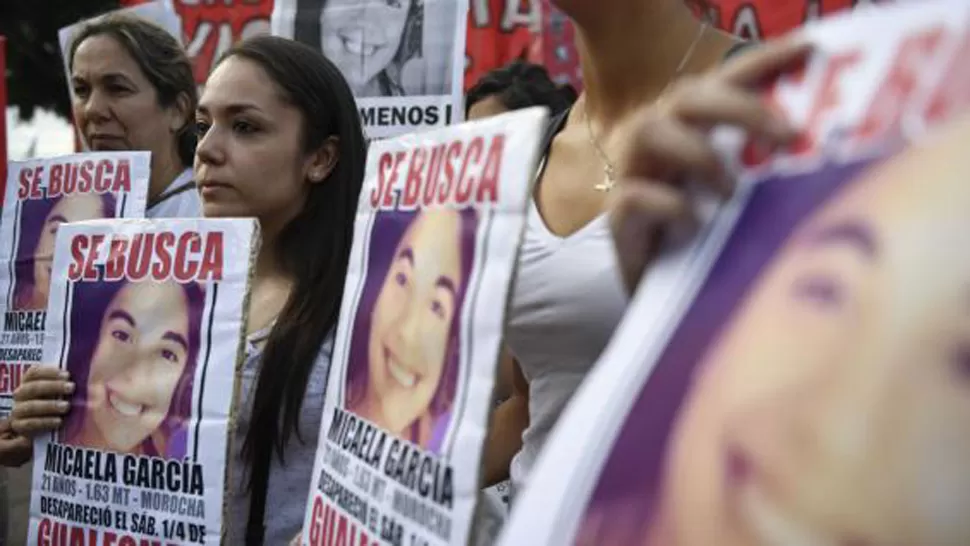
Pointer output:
x,y
759,19
558,49
500,31
3,120
210,27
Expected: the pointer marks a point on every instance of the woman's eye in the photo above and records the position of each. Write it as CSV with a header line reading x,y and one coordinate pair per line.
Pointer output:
x,y
121,335
823,291
400,278
118,89
244,127
438,309
81,91
201,128
169,355
394,3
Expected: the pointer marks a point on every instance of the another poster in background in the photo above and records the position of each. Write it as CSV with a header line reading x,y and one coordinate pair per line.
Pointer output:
x,y
148,319
763,19
499,32
415,355
559,53
43,194
157,12
807,381
404,60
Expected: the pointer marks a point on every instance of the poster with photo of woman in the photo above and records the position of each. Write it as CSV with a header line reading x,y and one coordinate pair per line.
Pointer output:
x,y
403,59
147,319
806,380
41,195
416,351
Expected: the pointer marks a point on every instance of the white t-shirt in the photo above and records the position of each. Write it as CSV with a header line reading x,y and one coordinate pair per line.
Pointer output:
x,y
179,200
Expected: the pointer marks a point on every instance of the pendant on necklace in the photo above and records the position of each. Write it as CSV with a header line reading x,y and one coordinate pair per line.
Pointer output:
x,y
608,181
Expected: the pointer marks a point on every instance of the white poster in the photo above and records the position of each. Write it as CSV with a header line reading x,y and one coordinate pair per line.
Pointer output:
x,y
410,388
148,318
43,194
805,380
404,59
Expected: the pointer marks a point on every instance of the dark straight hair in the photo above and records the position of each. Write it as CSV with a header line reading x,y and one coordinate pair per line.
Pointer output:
x,y
314,249
161,59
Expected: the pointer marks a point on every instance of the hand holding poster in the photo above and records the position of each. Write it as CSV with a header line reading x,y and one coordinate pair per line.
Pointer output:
x,y
404,60
147,318
43,194
409,393
807,381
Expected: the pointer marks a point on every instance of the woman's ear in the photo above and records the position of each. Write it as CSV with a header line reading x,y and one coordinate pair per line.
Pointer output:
x,y
321,163
180,112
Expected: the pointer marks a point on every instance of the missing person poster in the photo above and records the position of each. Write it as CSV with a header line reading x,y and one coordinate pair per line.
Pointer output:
x,y
404,59
147,318
808,381
43,194
416,351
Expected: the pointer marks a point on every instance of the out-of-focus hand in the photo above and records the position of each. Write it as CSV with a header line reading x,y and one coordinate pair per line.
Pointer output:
x,y
15,449
668,143
38,404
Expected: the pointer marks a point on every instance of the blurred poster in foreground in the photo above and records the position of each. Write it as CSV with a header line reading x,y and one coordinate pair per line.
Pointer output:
x,y
404,60
761,19
806,381
415,356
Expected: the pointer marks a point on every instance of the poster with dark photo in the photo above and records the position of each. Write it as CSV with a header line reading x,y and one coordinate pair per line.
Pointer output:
x,y
403,59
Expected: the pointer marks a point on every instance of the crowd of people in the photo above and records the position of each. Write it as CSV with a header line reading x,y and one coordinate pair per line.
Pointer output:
x,y
275,135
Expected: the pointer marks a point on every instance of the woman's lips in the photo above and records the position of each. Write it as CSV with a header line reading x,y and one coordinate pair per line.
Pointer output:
x,y
124,407
397,372
107,143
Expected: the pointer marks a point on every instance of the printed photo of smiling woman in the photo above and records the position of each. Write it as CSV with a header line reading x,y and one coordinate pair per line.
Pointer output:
x,y
133,355
382,47
404,359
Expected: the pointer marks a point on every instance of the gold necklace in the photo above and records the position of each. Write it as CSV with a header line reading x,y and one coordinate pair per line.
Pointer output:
x,y
609,171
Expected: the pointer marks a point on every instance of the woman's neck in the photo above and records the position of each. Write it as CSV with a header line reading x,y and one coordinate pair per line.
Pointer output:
x,y
630,56
164,171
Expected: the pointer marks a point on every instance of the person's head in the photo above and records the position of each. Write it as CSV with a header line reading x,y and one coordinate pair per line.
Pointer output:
x,y
133,89
40,219
364,37
516,85
281,140
133,354
405,352
835,403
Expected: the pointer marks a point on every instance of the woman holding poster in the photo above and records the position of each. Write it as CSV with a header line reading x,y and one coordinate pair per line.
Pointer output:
x,y
404,355
569,294
272,110
132,89
133,351
39,219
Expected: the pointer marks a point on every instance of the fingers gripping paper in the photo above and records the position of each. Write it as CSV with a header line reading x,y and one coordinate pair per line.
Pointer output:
x,y
148,319
804,380
409,393
41,195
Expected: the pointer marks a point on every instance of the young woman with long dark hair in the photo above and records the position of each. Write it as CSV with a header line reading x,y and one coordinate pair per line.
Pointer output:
x,y
279,140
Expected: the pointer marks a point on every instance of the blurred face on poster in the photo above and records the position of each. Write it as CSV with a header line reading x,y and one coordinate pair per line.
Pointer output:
x,y
411,323
70,208
141,353
834,408
115,106
362,37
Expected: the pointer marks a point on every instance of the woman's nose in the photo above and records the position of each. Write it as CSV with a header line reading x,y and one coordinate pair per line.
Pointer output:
x,y
97,107
209,150
409,328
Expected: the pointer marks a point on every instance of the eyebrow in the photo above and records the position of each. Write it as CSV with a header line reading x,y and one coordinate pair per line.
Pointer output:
x,y
104,77
57,218
231,109
169,335
853,233
443,281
